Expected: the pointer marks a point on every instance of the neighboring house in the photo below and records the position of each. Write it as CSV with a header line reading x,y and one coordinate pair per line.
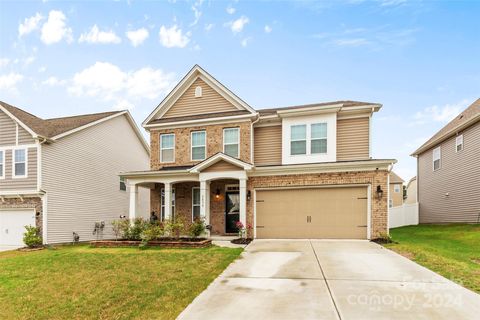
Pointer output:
x,y
294,172
448,167
396,190
62,174
411,191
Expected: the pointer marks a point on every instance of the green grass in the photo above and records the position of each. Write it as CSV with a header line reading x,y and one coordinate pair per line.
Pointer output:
x,y
80,282
450,250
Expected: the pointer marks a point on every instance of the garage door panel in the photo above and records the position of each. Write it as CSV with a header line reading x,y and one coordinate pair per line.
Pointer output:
x,y
333,213
12,226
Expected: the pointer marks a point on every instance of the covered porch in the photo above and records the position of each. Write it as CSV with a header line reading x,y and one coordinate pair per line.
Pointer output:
x,y
214,191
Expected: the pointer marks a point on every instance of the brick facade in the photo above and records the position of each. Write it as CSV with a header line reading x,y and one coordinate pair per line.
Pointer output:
x,y
214,143
379,223
26,203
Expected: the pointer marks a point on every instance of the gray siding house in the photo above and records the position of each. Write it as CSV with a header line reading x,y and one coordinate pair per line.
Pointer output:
x,y
62,174
448,179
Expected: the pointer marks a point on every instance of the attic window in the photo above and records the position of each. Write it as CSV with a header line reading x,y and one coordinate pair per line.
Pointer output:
x,y
198,92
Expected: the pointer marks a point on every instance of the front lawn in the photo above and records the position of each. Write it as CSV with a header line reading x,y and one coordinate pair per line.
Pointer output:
x,y
80,282
450,250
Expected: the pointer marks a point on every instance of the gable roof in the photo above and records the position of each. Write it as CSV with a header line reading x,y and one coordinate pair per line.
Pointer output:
x,y
394,178
195,73
219,156
466,118
342,103
55,128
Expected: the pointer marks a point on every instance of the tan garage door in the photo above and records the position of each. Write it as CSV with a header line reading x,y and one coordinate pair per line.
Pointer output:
x,y
329,213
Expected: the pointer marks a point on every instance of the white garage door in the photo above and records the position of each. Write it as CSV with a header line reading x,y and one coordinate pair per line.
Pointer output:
x,y
12,226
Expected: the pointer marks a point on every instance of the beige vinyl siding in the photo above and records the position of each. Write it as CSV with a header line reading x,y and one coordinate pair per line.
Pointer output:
x,y
209,102
28,183
397,198
222,166
411,193
268,145
7,130
80,177
459,176
24,137
353,139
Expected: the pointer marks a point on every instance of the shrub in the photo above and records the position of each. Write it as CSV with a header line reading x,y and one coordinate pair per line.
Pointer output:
x,y
32,237
135,229
175,227
119,227
153,231
241,229
197,228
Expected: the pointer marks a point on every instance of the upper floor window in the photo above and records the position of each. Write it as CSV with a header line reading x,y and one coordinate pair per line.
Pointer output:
x,y
19,163
459,143
298,139
436,158
195,203
318,143
167,147
231,142
396,188
2,164
123,185
199,145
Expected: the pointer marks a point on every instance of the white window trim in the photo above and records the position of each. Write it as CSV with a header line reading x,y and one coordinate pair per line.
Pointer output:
x,y
191,145
195,205
238,141
395,188
173,148
457,144
439,158
295,140
172,213
311,139
14,175
2,173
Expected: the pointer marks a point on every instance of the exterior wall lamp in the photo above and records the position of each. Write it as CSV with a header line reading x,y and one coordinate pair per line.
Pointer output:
x,y
217,194
379,192
249,195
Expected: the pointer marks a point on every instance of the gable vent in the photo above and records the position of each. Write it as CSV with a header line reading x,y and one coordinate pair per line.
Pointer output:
x,y
198,92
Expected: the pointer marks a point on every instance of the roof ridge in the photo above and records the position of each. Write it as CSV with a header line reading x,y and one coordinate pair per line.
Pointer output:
x,y
21,110
85,114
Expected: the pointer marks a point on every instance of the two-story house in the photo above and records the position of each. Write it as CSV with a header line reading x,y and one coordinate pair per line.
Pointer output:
x,y
448,171
62,174
296,172
396,190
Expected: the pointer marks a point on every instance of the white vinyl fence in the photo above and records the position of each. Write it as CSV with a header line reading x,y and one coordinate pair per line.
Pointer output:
x,y
405,215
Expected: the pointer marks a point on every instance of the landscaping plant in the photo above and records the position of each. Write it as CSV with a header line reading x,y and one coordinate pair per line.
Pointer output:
x,y
154,231
175,227
197,228
32,237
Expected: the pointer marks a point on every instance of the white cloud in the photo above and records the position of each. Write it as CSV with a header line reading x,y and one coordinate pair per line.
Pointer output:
x,y
237,25
209,27
245,42
8,82
29,24
440,114
108,82
173,37
53,81
123,104
95,35
137,37
28,61
42,69
351,42
4,62
196,12
55,29
268,29
230,10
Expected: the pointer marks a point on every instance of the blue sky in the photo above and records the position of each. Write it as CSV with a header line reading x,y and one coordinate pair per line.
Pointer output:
x,y
420,59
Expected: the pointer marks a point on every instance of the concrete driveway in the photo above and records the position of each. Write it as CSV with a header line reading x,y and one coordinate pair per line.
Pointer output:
x,y
322,279
8,248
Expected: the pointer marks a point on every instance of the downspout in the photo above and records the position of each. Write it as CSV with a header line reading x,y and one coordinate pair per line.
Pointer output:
x,y
252,138
39,188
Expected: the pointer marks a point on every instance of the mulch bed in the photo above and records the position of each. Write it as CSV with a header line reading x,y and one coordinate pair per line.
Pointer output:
x,y
31,249
241,241
164,243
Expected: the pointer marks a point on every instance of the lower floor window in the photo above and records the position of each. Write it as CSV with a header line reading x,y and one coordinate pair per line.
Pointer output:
x,y
162,200
195,204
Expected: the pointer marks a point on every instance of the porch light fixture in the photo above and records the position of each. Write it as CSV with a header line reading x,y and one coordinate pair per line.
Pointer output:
x,y
217,194
379,192
249,195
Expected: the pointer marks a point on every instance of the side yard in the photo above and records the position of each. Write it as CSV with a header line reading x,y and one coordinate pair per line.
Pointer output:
x,y
75,282
450,250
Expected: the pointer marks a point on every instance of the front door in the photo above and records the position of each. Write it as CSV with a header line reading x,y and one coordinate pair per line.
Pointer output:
x,y
232,211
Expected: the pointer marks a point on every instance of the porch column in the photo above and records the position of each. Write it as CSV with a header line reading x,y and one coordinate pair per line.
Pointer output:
x,y
133,201
205,201
243,201
167,189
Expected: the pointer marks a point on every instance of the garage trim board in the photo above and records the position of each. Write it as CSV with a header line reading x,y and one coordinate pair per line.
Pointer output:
x,y
330,187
